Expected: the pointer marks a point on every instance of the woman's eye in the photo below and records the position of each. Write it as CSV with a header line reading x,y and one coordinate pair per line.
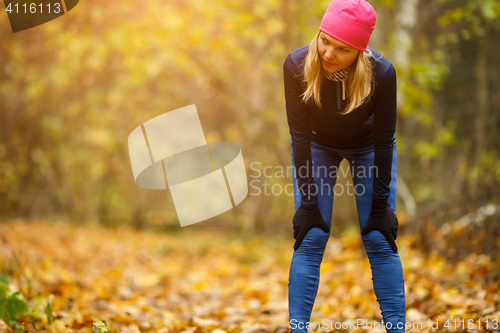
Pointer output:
x,y
324,40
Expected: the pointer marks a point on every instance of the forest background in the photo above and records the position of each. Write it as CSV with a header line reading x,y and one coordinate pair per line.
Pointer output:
x,y
72,90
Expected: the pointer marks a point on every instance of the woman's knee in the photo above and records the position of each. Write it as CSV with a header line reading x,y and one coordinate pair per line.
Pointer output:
x,y
374,241
316,239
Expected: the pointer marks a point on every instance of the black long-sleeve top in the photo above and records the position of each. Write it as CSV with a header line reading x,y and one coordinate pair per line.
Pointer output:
x,y
371,123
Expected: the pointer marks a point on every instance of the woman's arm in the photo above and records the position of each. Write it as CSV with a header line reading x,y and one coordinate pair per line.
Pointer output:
x,y
382,217
384,127
300,131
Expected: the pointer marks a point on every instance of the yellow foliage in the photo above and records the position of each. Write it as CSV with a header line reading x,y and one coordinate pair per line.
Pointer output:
x,y
216,284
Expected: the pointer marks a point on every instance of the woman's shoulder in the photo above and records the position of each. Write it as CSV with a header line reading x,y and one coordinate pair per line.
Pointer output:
x,y
380,64
295,59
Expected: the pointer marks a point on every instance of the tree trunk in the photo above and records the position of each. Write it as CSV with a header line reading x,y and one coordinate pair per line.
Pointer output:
x,y
406,20
481,121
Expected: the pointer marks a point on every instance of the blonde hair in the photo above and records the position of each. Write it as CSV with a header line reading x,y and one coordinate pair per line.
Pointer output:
x,y
359,83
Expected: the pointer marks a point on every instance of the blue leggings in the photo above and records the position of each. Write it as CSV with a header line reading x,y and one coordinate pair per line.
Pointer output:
x,y
387,272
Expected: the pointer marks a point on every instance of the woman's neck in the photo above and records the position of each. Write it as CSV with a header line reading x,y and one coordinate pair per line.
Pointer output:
x,y
339,75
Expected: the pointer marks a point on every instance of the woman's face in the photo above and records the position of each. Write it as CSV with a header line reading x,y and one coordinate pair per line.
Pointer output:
x,y
334,54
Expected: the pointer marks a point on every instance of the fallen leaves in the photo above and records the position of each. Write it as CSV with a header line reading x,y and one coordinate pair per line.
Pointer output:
x,y
4,328
200,281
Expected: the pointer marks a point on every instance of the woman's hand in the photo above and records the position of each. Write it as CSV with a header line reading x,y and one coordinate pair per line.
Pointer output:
x,y
304,220
387,223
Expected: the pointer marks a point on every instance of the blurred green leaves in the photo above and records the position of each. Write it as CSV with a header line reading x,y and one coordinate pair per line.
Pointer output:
x,y
12,307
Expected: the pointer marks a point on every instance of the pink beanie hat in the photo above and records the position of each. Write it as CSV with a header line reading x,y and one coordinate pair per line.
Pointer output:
x,y
350,21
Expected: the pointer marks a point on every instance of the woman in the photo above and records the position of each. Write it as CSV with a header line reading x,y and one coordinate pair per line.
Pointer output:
x,y
341,103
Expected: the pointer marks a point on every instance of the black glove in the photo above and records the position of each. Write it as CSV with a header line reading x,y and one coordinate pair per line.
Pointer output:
x,y
304,220
385,221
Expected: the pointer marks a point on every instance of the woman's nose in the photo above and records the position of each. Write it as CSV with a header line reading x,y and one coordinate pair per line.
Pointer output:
x,y
330,54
